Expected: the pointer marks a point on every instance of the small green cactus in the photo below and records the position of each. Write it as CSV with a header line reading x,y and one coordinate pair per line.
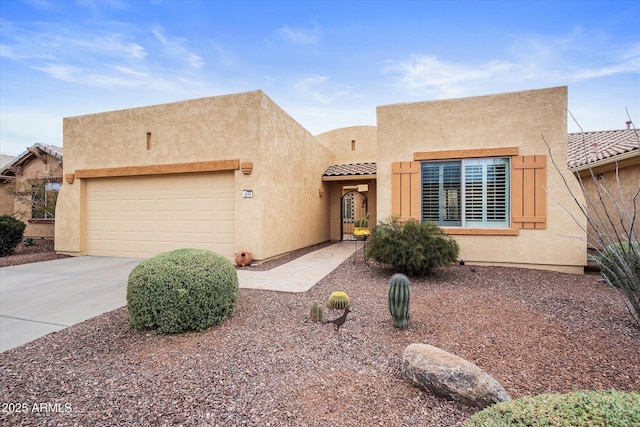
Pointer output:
x,y
399,299
316,312
339,300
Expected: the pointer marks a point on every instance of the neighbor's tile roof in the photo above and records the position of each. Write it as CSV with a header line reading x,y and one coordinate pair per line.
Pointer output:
x,y
589,147
25,157
352,169
6,160
51,150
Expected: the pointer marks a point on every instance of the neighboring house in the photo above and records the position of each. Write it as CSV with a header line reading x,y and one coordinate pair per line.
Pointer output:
x,y
236,172
607,164
6,200
29,188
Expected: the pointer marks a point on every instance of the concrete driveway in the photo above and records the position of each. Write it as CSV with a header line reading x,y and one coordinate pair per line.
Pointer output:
x,y
40,298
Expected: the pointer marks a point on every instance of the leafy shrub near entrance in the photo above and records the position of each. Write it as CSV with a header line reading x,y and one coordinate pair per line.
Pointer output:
x,y
578,409
181,290
411,247
11,232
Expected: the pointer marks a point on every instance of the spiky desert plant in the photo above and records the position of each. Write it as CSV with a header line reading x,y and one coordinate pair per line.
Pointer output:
x,y
399,299
316,312
339,300
610,207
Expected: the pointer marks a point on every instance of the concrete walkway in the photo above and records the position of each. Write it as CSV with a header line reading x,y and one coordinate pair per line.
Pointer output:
x,y
40,298
300,274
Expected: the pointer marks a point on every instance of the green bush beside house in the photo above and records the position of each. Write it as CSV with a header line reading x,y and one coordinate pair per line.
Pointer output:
x,y
182,290
11,233
412,248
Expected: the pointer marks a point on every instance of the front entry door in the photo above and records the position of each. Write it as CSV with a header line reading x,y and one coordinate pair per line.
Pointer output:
x,y
354,205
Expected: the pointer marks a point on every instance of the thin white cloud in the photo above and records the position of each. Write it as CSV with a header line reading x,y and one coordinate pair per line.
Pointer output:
x,y
121,77
54,42
105,58
10,52
224,57
175,48
111,44
299,35
95,5
319,89
574,57
106,77
428,74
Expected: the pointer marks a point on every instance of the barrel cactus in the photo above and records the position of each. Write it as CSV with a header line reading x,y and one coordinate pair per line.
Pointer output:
x,y
339,300
399,298
316,312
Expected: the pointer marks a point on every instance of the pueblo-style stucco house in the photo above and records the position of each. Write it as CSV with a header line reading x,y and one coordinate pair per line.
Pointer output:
x,y
29,185
237,173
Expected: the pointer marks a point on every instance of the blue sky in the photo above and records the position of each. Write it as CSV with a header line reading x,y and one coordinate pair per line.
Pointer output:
x,y
327,63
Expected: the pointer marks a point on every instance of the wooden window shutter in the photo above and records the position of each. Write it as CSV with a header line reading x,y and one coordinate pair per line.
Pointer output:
x,y
405,190
528,195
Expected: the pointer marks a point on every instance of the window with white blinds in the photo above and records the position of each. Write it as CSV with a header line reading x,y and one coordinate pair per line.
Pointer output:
x,y
467,193
441,193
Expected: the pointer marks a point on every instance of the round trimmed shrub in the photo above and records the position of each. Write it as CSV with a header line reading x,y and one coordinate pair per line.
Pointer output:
x,y
578,409
11,232
182,290
412,248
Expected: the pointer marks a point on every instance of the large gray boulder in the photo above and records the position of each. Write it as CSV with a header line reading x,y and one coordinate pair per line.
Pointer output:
x,y
446,375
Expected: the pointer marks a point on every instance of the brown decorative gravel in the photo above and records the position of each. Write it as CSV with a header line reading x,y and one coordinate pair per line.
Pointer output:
x,y
534,331
42,250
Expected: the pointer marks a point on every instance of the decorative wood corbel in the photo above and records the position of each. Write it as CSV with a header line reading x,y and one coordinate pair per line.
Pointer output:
x,y
247,167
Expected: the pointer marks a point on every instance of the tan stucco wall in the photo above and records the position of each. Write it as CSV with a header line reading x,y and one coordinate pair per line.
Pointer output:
x,y
502,120
287,209
617,190
286,177
339,142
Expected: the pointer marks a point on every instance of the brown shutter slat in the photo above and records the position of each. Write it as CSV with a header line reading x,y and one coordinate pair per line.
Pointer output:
x,y
528,197
405,190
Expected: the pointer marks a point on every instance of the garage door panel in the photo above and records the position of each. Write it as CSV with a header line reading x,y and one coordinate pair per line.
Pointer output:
x,y
144,216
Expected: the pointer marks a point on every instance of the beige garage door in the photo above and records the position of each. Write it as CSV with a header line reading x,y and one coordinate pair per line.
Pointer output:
x,y
144,216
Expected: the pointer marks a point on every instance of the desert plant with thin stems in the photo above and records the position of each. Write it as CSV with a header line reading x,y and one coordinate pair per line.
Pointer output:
x,y
611,224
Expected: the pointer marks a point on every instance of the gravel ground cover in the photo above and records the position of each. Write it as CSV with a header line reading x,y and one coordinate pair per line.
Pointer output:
x,y
534,331
42,250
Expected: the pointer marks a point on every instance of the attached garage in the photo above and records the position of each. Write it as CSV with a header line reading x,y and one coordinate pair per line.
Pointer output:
x,y
142,216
